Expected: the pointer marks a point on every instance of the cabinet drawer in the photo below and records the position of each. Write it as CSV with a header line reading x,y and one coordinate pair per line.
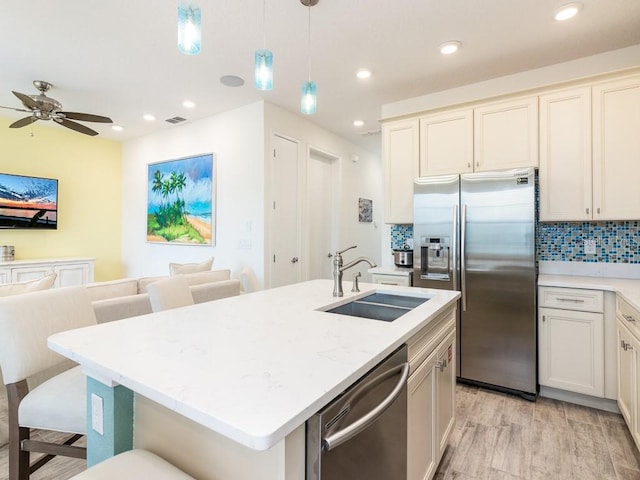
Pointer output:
x,y
384,279
626,312
571,299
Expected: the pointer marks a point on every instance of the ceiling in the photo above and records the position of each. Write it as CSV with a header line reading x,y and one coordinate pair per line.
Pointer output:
x,y
119,58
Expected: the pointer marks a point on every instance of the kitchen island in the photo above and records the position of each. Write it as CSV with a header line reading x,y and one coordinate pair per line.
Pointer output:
x,y
223,389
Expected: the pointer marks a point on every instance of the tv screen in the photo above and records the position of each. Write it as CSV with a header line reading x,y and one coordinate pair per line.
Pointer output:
x,y
28,202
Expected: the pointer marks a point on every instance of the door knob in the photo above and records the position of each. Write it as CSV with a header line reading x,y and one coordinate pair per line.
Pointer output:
x,y
294,260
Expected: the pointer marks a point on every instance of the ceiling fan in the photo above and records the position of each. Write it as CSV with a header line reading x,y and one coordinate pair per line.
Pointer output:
x,y
42,107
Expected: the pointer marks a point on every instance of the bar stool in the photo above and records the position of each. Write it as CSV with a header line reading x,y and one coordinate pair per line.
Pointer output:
x,y
133,465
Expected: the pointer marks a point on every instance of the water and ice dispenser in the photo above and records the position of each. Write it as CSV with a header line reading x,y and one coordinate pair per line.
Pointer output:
x,y
435,258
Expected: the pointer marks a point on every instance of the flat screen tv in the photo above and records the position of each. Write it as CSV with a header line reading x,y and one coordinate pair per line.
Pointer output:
x,y
28,202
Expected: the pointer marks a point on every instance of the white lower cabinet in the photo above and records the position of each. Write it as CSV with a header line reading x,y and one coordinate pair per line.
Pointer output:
x,y
628,358
571,340
69,271
430,401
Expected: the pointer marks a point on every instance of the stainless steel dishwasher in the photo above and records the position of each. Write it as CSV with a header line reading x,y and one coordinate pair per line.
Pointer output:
x,y
362,435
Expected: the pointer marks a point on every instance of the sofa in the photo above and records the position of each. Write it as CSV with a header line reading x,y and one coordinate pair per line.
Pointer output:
x,y
128,297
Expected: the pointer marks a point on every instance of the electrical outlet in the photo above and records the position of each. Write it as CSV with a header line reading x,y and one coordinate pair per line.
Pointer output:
x,y
97,413
590,246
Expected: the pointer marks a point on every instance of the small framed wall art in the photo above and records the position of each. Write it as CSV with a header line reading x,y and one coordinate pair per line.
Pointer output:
x,y
365,210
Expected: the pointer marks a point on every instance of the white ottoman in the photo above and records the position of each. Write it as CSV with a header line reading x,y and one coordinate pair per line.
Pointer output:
x,y
133,465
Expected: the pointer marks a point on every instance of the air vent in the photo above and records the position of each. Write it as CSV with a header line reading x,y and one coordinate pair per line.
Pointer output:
x,y
175,120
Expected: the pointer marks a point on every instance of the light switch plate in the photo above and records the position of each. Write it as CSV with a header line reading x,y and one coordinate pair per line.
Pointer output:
x,y
97,413
590,246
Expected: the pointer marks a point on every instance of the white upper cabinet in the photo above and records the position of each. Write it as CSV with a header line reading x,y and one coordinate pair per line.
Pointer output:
x,y
616,149
565,155
506,134
400,148
446,143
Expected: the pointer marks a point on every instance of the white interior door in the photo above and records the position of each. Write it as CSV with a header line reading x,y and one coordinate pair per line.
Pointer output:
x,y
321,194
285,230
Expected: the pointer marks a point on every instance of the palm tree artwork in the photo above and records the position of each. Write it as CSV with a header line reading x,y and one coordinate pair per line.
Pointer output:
x,y
180,205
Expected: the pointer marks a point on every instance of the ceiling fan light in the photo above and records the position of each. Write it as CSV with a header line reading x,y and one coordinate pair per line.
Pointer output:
x,y
117,128
189,29
567,11
309,100
263,70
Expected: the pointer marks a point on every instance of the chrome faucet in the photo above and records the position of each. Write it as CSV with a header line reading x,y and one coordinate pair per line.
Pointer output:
x,y
338,268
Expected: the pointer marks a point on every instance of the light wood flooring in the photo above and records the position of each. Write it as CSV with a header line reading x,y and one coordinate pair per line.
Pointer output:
x,y
502,437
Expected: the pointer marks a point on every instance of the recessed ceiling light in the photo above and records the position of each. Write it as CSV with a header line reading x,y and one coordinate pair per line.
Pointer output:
x,y
568,11
188,104
148,117
448,48
363,73
232,81
117,128
358,123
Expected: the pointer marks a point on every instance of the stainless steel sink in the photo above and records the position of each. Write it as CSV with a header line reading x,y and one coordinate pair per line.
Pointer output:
x,y
379,306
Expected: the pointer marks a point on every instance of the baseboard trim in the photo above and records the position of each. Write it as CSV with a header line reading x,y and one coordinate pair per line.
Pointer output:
x,y
605,404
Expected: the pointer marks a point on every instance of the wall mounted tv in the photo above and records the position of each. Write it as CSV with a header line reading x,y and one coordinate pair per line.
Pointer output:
x,y
28,202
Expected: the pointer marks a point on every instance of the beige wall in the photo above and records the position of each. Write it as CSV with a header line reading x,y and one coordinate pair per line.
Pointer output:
x,y
89,174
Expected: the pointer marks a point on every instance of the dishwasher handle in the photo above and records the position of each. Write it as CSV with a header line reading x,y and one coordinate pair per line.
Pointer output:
x,y
341,436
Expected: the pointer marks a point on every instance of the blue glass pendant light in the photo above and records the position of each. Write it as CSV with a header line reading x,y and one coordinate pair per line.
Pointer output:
x,y
263,73
189,29
309,99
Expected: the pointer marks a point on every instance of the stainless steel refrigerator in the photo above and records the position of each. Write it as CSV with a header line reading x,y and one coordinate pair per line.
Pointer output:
x,y
475,233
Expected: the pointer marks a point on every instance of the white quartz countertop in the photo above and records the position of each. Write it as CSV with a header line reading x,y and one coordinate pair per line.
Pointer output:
x,y
391,270
253,367
629,289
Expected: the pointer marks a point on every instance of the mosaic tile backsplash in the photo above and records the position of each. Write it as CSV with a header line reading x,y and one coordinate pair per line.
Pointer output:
x,y
616,242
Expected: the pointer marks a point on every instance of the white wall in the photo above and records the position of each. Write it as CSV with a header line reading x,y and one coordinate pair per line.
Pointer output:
x,y
357,179
237,140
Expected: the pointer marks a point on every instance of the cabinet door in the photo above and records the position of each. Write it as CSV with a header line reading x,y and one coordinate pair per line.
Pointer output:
x,y
625,359
72,274
421,402
616,149
5,275
571,350
506,134
24,274
400,147
565,155
446,392
446,143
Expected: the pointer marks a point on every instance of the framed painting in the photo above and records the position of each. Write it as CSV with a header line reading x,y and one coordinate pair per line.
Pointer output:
x,y
181,205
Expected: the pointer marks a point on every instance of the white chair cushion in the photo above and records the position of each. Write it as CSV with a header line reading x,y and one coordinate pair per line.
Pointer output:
x,y
144,282
59,404
215,291
172,292
19,288
26,323
133,465
182,268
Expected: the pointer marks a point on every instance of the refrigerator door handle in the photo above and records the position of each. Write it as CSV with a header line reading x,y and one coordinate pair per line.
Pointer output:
x,y
463,266
453,250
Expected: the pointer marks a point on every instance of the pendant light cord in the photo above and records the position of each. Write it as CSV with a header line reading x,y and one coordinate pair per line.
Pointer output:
x,y
264,23
309,40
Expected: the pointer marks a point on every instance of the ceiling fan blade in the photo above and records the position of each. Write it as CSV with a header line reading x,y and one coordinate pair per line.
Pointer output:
x,y
16,109
26,100
86,117
23,122
75,126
